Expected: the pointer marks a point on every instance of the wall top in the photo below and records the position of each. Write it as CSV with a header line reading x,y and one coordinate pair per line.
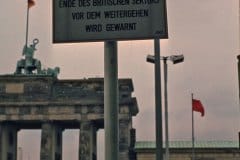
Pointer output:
x,y
48,90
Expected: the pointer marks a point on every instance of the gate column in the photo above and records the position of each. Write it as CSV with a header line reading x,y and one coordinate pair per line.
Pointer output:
x,y
87,141
126,140
8,142
51,142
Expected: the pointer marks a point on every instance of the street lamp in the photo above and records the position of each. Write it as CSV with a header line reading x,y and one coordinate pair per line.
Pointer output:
x,y
175,59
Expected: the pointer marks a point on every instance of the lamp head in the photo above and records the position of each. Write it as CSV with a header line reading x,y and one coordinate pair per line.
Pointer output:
x,y
151,58
177,58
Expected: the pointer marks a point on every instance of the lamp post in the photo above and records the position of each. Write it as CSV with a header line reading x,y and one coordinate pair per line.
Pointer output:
x,y
175,59
238,57
158,99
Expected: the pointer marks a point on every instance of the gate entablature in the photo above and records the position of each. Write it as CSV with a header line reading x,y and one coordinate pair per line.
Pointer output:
x,y
41,98
37,88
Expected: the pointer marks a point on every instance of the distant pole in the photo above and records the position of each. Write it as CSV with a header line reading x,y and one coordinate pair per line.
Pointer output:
x,y
111,103
166,108
193,138
239,139
158,101
27,23
238,57
30,3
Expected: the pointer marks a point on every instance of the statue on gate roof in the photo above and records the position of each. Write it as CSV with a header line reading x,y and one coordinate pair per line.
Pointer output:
x,y
30,65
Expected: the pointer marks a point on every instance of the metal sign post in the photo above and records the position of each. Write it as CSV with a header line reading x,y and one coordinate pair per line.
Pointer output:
x,y
158,101
111,104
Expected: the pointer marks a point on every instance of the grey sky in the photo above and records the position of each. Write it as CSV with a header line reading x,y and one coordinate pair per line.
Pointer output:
x,y
206,32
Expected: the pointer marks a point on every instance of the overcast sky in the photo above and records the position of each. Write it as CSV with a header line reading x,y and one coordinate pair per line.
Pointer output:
x,y
206,32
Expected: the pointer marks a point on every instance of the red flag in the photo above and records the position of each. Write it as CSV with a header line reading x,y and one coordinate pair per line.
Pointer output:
x,y
197,106
31,3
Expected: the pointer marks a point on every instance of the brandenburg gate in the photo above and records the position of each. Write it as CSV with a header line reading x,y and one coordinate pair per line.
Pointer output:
x,y
52,105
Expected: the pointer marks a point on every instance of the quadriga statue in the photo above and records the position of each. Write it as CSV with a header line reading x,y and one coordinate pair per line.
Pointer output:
x,y
29,65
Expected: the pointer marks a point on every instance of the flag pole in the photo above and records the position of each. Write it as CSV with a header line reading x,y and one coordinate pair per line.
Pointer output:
x,y
27,25
193,141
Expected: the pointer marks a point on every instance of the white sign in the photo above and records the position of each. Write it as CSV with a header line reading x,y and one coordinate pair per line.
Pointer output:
x,y
101,20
